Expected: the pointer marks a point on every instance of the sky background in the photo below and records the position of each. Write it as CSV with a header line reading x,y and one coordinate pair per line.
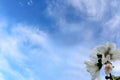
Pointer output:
x,y
51,39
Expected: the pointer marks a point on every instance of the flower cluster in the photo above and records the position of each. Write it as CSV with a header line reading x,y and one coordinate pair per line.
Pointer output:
x,y
102,55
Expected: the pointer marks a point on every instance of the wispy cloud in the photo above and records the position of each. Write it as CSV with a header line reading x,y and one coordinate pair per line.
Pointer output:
x,y
70,22
15,41
2,77
29,53
90,8
30,2
86,22
111,29
76,18
85,9
113,23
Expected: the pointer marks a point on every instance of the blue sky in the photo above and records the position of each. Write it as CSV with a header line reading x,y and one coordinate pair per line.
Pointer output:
x,y
51,39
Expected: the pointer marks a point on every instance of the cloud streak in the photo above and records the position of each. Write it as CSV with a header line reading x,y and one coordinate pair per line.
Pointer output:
x,y
15,42
30,53
86,22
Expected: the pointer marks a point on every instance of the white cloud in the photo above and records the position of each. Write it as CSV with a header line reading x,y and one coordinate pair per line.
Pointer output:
x,y
94,9
114,23
46,56
31,34
14,51
75,18
6,67
111,29
33,50
74,63
67,28
88,9
114,3
97,13
30,2
1,77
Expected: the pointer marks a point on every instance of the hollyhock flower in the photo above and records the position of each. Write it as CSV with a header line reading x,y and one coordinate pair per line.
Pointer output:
x,y
108,52
93,69
109,49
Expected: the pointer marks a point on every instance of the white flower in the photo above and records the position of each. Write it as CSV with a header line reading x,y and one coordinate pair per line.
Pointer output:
x,y
109,53
93,69
109,49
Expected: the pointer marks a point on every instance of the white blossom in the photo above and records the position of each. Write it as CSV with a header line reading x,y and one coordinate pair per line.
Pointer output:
x,y
109,49
109,53
93,69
